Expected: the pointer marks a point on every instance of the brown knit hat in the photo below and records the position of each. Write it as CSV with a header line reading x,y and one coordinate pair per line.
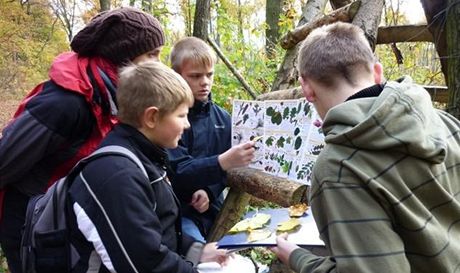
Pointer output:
x,y
119,35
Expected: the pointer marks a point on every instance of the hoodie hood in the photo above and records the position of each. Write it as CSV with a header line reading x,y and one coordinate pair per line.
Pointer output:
x,y
401,119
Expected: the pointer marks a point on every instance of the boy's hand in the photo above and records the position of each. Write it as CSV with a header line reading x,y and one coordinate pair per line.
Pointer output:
x,y
283,248
212,254
200,201
237,156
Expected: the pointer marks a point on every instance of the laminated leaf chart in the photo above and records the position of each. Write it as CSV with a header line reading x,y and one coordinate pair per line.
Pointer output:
x,y
290,141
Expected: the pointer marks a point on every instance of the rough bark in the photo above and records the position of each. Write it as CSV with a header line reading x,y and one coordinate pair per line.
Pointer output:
x,y
336,4
272,10
105,4
234,206
453,49
287,74
278,190
438,94
287,94
435,17
245,182
408,33
201,21
368,18
344,14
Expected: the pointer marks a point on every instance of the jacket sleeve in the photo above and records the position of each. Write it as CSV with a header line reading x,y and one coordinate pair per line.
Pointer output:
x,y
127,232
43,128
190,173
357,231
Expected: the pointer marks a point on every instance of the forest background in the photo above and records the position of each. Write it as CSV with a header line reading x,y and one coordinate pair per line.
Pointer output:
x,y
33,32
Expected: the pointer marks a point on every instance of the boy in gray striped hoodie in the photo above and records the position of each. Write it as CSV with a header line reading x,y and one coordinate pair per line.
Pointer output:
x,y
385,191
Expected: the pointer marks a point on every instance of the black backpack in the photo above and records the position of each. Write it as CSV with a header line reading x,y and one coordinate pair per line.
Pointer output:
x,y
45,245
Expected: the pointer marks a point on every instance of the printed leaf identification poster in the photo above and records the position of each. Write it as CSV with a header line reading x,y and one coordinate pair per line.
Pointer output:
x,y
287,139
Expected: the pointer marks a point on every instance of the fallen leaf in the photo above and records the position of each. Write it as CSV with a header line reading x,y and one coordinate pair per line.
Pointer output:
x,y
297,210
288,225
258,234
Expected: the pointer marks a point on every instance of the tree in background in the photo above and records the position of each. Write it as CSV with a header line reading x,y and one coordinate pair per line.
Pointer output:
x,y
239,27
273,10
30,38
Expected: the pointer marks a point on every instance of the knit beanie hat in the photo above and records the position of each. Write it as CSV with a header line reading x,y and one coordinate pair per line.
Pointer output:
x,y
119,35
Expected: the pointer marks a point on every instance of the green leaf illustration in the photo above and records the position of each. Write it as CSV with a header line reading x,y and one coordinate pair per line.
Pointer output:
x,y
296,131
276,118
280,142
297,143
286,113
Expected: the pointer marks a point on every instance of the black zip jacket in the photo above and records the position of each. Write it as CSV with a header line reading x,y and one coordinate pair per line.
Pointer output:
x,y
194,162
138,229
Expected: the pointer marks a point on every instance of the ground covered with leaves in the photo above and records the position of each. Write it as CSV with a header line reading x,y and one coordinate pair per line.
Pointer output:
x,y
7,108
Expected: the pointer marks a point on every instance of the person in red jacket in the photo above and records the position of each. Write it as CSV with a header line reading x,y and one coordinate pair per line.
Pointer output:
x,y
64,118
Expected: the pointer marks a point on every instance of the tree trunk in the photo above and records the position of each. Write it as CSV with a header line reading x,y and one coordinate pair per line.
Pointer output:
x,y
453,49
337,4
105,4
201,21
287,75
272,10
344,14
368,18
435,17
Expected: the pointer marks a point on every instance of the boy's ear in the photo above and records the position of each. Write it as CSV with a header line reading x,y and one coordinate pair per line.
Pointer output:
x,y
307,89
150,117
378,73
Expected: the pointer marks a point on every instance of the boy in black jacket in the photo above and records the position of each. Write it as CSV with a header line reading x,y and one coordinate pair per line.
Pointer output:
x,y
205,154
121,221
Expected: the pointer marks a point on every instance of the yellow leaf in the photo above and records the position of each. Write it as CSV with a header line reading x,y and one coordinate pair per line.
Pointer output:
x,y
255,222
297,210
288,225
258,234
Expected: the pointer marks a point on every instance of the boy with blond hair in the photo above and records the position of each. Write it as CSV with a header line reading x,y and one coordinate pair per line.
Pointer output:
x,y
385,191
121,220
204,153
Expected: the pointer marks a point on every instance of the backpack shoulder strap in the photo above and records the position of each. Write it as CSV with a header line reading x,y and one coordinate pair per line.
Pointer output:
x,y
116,149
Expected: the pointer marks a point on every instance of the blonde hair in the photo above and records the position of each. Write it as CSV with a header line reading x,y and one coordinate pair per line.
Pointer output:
x,y
149,84
191,49
338,50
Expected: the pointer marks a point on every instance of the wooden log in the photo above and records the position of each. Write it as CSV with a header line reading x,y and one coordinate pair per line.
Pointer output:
x,y
438,94
230,213
407,33
287,94
278,190
344,14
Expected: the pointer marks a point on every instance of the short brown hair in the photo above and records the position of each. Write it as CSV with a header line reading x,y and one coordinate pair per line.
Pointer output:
x,y
150,84
338,50
191,49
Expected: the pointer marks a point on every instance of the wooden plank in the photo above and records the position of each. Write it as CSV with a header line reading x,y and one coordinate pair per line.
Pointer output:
x,y
406,33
